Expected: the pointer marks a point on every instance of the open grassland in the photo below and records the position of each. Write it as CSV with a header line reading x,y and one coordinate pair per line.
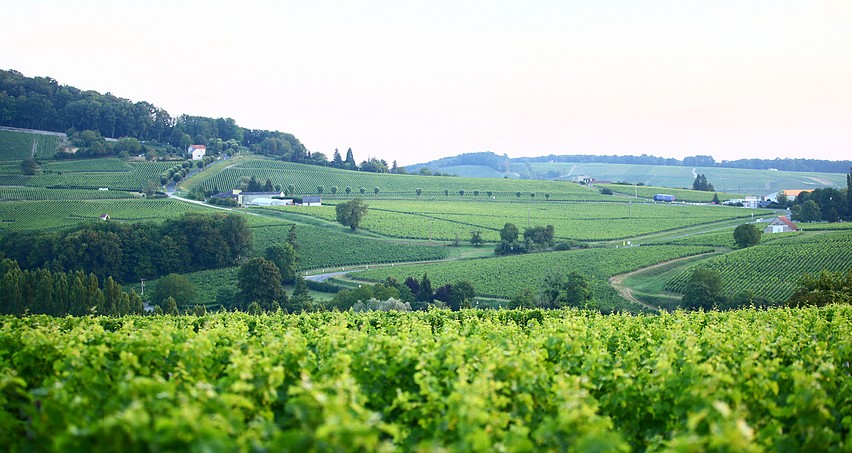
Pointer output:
x,y
446,220
306,179
731,180
527,380
40,215
771,269
688,195
17,146
504,277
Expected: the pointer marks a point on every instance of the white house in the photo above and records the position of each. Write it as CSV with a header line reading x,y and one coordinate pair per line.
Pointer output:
x,y
197,151
780,225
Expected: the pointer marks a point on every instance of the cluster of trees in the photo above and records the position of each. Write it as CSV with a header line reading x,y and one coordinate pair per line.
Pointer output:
x,y
535,239
747,235
41,291
823,289
413,294
128,252
826,204
703,291
557,290
701,184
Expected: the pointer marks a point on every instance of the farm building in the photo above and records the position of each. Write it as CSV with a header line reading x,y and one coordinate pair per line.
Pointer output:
x,y
104,217
311,201
664,197
269,202
780,225
248,198
196,152
793,193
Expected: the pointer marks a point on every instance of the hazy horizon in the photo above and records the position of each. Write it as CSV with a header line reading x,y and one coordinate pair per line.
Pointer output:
x,y
414,82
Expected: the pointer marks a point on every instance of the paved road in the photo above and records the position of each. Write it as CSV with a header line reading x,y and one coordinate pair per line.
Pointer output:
x,y
324,277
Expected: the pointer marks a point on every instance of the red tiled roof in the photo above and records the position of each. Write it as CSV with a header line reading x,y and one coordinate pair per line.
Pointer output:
x,y
788,223
197,147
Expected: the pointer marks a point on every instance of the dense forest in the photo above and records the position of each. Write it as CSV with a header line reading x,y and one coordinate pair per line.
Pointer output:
x,y
128,252
500,163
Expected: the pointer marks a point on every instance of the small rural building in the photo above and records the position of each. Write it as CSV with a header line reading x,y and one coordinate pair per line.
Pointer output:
x,y
269,202
104,217
791,194
311,201
780,225
196,152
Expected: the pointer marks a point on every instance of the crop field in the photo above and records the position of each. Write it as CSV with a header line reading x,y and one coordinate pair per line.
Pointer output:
x,y
730,180
41,194
306,178
771,269
529,380
39,215
444,220
504,277
93,174
688,195
17,146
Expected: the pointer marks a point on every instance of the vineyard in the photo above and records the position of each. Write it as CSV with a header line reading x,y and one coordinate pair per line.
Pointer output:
x,y
17,146
727,180
39,215
446,220
771,269
111,173
692,196
724,238
306,179
41,194
473,380
504,277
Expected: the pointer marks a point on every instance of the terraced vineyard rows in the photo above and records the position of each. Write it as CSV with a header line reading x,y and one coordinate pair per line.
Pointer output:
x,y
40,194
523,381
18,146
444,220
38,215
724,238
505,276
648,192
133,178
306,178
771,269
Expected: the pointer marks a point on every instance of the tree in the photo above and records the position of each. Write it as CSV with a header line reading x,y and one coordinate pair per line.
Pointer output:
x,y
524,299
418,191
351,213
175,286
810,212
560,290
489,193
701,183
268,187
425,293
348,190
286,259
376,191
715,198
349,163
703,290
336,160
291,189
259,281
301,300
29,166
849,194
518,194
746,235
446,192
170,307
823,289
254,185
461,295
334,190
320,189
363,190
476,238
461,192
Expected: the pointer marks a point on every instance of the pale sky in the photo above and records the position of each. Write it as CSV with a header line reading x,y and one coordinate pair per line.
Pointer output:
x,y
417,80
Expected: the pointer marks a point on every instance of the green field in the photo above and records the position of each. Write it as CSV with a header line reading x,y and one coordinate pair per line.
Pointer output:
x,y
17,146
40,194
532,380
504,277
771,269
444,220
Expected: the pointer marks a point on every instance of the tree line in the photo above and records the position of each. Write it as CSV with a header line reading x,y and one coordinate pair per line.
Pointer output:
x,y
821,205
129,252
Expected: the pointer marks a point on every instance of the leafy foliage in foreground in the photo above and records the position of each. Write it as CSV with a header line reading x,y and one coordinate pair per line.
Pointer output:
x,y
467,381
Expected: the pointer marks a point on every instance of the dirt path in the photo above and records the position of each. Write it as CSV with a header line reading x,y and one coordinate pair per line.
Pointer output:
x,y
617,281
